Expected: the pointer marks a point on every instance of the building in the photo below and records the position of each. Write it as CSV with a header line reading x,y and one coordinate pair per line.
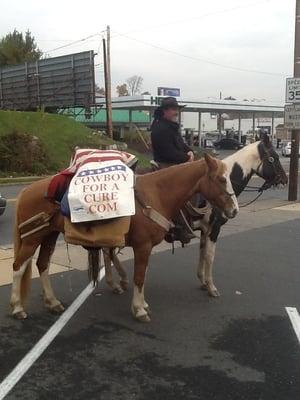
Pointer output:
x,y
282,133
138,110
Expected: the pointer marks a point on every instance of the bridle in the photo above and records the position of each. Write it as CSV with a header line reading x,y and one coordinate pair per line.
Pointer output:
x,y
271,160
267,183
220,186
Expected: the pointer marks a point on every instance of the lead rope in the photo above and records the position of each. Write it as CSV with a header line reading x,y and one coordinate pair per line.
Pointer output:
x,y
251,201
188,225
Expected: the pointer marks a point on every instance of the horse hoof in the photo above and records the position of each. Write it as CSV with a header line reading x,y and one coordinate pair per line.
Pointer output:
x,y
20,315
143,318
148,309
213,292
203,286
124,285
118,290
58,309
140,314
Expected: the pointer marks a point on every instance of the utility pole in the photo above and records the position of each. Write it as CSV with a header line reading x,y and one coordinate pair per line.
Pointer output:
x,y
294,161
110,124
107,80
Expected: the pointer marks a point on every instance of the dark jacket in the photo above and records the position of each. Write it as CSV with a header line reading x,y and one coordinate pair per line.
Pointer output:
x,y
167,143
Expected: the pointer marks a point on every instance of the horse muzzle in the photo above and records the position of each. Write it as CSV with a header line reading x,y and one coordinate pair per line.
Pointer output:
x,y
231,213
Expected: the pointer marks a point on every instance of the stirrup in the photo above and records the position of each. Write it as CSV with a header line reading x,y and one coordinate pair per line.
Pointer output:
x,y
154,165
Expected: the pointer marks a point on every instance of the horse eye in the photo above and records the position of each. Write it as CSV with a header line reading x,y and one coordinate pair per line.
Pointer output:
x,y
271,159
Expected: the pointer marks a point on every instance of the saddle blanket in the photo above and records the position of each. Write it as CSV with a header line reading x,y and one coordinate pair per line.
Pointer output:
x,y
60,182
101,191
85,156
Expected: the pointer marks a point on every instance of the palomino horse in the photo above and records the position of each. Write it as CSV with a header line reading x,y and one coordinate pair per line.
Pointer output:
x,y
165,191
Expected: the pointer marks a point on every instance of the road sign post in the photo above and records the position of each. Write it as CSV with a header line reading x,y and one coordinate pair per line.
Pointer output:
x,y
292,94
292,115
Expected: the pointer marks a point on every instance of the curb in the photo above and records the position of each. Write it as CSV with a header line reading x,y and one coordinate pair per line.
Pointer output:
x,y
20,181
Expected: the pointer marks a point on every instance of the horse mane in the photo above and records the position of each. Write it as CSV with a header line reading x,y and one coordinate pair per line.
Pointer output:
x,y
171,168
244,158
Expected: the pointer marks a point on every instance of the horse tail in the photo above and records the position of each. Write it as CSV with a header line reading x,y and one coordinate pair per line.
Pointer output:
x,y
94,261
26,277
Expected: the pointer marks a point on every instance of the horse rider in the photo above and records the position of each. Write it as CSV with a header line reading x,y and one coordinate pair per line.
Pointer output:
x,y
167,143
170,149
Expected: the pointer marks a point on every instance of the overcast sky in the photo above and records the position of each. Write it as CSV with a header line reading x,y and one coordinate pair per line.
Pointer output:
x,y
244,34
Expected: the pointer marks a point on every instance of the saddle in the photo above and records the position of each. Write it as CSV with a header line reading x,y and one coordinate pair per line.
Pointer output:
x,y
188,219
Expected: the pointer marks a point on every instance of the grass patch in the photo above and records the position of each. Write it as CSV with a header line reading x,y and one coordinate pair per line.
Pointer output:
x,y
19,180
58,133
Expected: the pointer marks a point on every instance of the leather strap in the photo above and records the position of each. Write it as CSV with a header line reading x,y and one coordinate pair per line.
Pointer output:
x,y
154,215
196,211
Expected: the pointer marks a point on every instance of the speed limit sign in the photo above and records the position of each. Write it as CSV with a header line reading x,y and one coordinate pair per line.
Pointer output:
x,y
292,94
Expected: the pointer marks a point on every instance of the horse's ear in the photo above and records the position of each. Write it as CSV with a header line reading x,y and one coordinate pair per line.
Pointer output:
x,y
266,140
211,162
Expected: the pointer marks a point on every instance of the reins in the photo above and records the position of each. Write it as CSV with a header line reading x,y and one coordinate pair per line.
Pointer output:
x,y
265,185
188,225
251,201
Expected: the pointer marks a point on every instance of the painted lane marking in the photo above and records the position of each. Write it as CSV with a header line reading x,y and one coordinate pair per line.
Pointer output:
x,y
295,320
31,357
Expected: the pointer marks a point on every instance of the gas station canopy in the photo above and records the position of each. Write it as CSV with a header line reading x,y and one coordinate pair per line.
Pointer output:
x,y
234,108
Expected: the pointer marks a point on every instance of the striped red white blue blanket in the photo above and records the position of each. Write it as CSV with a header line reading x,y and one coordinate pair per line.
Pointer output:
x,y
60,182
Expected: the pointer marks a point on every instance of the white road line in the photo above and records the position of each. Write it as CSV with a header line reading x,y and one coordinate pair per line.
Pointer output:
x,y
295,320
26,363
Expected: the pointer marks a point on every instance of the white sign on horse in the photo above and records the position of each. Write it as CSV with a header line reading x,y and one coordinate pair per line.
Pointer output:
x,y
292,116
292,94
101,191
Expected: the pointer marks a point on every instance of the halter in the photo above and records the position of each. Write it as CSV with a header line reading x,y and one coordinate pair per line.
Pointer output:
x,y
266,185
220,186
271,160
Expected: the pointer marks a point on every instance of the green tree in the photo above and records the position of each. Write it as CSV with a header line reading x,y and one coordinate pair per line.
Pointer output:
x,y
122,90
17,48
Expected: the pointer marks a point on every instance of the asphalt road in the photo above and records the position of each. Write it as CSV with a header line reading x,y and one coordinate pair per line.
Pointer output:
x,y
238,347
11,192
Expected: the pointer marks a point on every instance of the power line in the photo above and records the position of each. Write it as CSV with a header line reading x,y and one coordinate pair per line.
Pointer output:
x,y
209,14
74,42
202,60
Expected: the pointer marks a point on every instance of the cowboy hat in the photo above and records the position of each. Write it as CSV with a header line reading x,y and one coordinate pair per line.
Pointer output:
x,y
170,102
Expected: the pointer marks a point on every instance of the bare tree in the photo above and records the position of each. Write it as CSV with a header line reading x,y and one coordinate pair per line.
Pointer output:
x,y
122,90
134,84
100,91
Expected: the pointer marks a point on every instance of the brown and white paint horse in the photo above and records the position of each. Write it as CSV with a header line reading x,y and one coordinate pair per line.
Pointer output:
x,y
258,158
166,191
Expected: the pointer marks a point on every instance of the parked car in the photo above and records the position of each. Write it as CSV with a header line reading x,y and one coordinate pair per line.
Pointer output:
x,y
228,144
2,204
286,149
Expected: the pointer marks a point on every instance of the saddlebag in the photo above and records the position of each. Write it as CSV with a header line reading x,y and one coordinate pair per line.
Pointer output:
x,y
110,233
